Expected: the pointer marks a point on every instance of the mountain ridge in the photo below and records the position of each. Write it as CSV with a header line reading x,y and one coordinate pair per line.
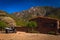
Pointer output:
x,y
22,17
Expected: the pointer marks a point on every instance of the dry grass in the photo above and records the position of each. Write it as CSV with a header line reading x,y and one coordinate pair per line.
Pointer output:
x,y
28,36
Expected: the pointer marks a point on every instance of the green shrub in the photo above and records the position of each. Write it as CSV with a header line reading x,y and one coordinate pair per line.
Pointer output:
x,y
32,25
2,25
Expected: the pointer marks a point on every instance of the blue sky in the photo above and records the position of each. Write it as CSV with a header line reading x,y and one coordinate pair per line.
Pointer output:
x,y
19,5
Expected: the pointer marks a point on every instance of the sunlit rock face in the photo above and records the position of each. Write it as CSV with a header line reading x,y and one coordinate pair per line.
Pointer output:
x,y
32,12
10,21
5,18
38,11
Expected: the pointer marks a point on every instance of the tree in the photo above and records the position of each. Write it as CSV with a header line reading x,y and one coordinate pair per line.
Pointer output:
x,y
32,25
2,25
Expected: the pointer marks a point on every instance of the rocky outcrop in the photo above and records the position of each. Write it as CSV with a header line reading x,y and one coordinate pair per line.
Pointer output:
x,y
3,13
9,21
39,11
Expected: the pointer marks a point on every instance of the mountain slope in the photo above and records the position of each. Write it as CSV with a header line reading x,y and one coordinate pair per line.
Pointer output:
x,y
38,11
4,16
21,18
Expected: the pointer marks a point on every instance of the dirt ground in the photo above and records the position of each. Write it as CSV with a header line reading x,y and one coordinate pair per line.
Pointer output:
x,y
28,36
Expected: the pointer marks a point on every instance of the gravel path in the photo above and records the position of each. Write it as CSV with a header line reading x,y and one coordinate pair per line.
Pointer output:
x,y
28,36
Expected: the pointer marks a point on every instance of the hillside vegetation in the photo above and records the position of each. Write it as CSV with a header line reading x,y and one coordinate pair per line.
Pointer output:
x,y
6,20
21,18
